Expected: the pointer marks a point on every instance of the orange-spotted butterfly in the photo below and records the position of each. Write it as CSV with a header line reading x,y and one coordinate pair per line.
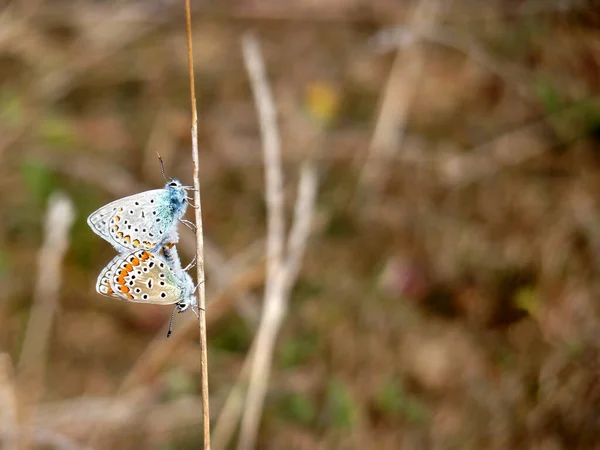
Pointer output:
x,y
144,277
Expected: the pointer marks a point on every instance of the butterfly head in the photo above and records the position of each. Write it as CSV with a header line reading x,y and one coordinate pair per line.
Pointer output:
x,y
173,184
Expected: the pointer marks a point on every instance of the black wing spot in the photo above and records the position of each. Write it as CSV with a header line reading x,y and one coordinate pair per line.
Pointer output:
x,y
158,219
145,296
138,290
162,283
152,201
137,203
131,211
150,283
163,294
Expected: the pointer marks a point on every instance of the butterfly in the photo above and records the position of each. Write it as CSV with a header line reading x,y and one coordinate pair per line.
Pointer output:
x,y
142,221
144,277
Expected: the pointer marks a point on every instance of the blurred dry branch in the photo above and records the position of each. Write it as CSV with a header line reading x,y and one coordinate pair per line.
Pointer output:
x,y
396,101
282,268
9,402
390,39
32,363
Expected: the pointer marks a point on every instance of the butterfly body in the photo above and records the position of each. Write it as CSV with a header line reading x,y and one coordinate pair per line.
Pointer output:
x,y
145,277
142,221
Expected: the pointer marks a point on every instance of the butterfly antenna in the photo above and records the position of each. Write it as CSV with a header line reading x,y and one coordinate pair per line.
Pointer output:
x,y
171,322
162,167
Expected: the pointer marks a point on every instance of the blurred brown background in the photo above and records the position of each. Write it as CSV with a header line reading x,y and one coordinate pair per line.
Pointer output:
x,y
448,298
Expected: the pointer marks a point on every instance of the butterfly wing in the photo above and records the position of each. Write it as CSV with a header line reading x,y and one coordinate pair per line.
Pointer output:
x,y
142,277
144,221
103,285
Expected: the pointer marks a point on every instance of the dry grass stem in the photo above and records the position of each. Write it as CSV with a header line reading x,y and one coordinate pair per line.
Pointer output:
x,y
201,307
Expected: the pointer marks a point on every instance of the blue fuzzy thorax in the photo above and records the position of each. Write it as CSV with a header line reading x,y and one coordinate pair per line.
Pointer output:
x,y
177,195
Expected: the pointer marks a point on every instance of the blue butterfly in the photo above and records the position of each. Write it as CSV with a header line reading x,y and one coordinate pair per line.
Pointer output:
x,y
142,221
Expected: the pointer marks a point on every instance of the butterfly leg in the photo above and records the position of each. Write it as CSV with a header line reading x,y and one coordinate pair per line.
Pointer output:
x,y
198,285
188,224
190,265
189,203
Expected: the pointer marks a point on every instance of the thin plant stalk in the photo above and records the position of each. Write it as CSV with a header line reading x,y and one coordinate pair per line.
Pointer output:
x,y
199,235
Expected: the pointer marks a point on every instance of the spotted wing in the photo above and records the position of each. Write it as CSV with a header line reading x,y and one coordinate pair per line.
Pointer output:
x,y
103,285
143,277
141,221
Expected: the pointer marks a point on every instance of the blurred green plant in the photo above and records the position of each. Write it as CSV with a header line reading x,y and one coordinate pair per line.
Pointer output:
x,y
298,350
549,96
177,383
11,108
233,336
527,298
4,262
341,409
300,408
57,131
321,102
39,181
393,402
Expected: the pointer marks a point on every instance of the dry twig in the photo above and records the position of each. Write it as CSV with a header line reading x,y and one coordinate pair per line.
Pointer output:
x,y
281,272
32,362
396,101
35,346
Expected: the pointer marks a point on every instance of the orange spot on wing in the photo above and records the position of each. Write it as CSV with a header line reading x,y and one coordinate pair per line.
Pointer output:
x,y
135,261
170,245
127,238
148,244
130,297
121,280
128,267
145,256
109,291
136,243
117,218
124,289
119,235
116,228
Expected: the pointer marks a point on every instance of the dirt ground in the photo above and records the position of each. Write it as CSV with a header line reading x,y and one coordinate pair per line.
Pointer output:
x,y
448,296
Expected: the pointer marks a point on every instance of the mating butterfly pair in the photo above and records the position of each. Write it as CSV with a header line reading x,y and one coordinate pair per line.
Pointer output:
x,y
143,229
